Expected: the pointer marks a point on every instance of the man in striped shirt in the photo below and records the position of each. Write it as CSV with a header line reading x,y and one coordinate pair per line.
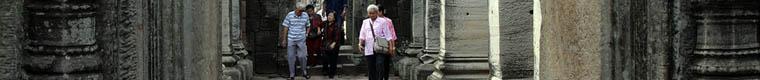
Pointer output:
x,y
295,24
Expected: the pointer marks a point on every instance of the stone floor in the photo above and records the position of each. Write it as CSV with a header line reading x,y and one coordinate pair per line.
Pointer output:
x,y
345,72
322,77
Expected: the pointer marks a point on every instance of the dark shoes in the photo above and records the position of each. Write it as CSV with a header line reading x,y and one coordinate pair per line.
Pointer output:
x,y
307,77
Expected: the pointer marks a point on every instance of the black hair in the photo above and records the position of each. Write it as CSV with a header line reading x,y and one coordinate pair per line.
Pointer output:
x,y
380,8
310,6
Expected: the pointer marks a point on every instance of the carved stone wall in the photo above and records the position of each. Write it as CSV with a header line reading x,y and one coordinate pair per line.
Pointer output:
x,y
639,40
63,43
264,23
724,39
11,33
112,39
118,38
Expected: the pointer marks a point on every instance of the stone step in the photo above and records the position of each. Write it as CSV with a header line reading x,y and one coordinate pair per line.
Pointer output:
x,y
466,68
466,55
467,59
346,49
480,76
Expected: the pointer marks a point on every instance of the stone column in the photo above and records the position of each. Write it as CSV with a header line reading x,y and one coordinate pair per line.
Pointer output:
x,y
236,65
418,24
11,34
494,54
516,32
726,44
62,40
432,24
570,39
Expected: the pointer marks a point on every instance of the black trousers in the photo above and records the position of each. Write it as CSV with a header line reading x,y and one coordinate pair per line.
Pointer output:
x,y
330,62
378,66
371,67
383,61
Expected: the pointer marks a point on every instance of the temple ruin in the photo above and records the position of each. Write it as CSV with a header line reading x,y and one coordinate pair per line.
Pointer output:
x,y
438,39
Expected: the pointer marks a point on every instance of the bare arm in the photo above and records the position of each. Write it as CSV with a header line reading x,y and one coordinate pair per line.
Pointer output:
x,y
392,46
283,36
361,45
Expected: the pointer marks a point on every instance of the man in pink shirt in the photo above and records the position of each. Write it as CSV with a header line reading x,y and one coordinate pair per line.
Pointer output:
x,y
389,33
382,29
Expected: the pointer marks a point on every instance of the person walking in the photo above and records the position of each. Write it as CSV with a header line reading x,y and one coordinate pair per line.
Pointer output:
x,y
374,41
314,36
387,32
333,38
294,26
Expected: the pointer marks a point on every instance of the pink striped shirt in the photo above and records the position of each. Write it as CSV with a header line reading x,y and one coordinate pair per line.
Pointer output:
x,y
383,27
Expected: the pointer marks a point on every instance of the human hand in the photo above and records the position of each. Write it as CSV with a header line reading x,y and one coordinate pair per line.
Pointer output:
x,y
361,48
392,51
282,44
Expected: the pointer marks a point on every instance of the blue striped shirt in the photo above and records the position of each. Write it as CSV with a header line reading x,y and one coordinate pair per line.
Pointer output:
x,y
296,25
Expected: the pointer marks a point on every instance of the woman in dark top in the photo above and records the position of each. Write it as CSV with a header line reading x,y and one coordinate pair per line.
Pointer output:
x,y
332,39
314,35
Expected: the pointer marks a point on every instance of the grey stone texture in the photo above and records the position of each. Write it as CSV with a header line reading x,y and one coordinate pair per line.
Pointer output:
x,y
570,40
118,37
516,32
466,27
123,39
61,41
11,28
418,22
716,39
432,30
265,21
638,40
680,39
466,39
407,68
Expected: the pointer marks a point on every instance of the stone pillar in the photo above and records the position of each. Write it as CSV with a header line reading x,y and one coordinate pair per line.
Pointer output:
x,y
639,44
432,31
570,39
236,65
11,34
433,35
516,32
418,24
62,40
201,31
494,54
726,43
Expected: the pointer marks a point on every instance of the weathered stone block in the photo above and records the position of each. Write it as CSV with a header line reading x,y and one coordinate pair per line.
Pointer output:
x,y
246,67
229,60
61,64
62,40
406,67
233,73
10,36
516,31
570,36
423,71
